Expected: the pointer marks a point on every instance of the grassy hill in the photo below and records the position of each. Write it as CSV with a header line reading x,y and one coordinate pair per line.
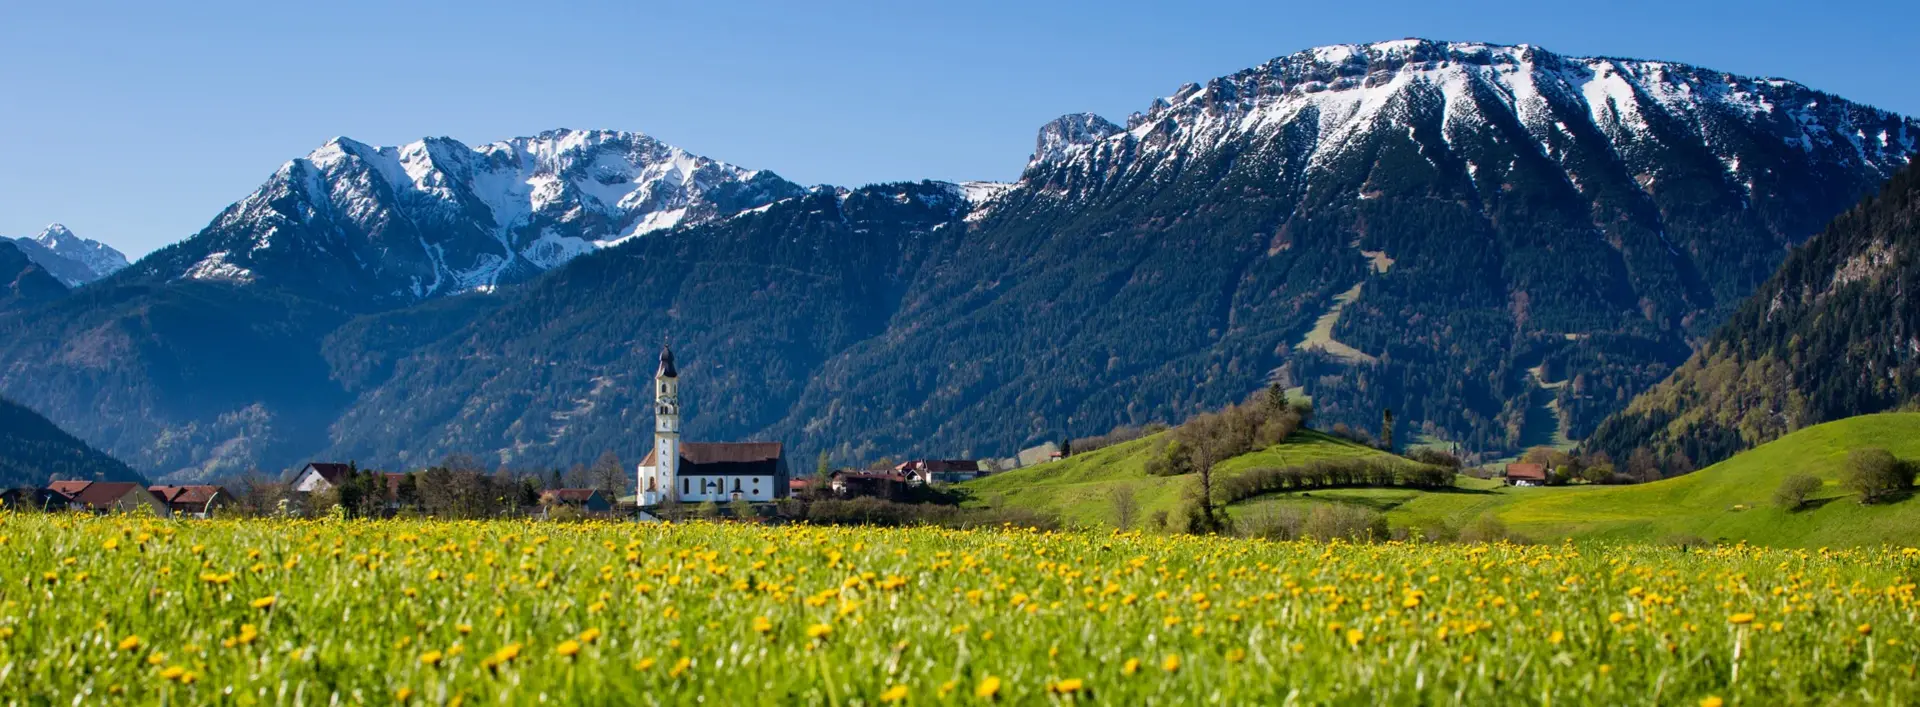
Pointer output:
x,y
1081,488
1729,501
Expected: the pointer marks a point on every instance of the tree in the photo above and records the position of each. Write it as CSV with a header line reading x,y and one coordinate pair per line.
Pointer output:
x,y
1126,508
1794,491
1597,473
1876,475
1386,429
608,475
1642,466
1276,400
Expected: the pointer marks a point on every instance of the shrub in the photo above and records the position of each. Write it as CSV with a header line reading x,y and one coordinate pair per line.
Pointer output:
x,y
1435,456
1876,475
1488,528
1344,522
1794,490
1273,522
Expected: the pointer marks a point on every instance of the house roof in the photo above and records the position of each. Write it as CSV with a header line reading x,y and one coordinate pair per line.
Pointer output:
x,y
1536,472
69,489
331,471
100,494
198,495
164,493
870,476
571,495
725,458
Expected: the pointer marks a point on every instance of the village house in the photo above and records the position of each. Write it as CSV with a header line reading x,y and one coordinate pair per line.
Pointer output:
x,y
1526,475
192,501
695,472
878,484
946,471
107,497
320,476
591,501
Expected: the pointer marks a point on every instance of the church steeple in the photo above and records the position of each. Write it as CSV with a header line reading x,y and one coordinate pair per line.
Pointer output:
x,y
666,363
666,430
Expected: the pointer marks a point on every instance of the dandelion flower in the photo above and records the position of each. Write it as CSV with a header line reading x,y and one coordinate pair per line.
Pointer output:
x,y
1069,686
1171,663
1865,629
130,643
1740,619
762,624
431,658
894,694
567,649
1132,666
988,688
266,602
819,631
1712,701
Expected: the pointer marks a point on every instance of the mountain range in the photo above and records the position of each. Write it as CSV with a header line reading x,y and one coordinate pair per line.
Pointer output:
x,y
1499,243
373,228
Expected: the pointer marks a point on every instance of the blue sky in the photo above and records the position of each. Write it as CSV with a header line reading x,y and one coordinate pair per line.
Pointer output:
x,y
136,123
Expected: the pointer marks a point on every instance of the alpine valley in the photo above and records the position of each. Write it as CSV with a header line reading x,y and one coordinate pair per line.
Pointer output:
x,y
1502,245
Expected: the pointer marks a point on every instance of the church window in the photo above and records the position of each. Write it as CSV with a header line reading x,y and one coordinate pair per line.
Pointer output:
x,y
686,486
736,485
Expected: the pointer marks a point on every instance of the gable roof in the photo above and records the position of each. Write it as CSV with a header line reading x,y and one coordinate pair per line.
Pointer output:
x,y
721,453
331,471
68,489
1531,472
101,494
198,495
164,493
571,495
869,475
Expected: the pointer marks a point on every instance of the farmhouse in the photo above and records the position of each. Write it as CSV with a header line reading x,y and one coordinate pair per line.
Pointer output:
x,y
878,484
1526,475
693,472
107,497
320,476
192,501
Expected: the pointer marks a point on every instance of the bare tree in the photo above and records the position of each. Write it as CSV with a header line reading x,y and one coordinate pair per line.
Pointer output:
x,y
608,475
1126,508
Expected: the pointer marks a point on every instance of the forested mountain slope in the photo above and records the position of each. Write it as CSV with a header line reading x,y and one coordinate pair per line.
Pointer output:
x,y
34,451
24,282
1835,333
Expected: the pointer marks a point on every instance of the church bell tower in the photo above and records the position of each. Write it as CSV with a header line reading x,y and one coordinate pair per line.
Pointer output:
x,y
666,424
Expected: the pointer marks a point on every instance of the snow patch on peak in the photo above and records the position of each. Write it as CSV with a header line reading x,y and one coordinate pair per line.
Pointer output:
x,y
1068,134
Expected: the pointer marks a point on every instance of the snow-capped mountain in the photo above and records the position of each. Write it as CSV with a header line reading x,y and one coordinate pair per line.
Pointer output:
x,y
391,225
1638,109
74,260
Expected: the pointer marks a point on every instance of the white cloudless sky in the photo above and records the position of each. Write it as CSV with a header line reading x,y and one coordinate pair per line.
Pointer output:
x,y
136,123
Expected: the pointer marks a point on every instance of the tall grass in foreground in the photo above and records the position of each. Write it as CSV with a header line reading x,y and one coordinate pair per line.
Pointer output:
x,y
245,612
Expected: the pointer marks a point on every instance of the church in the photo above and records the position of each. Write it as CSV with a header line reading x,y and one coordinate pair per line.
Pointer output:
x,y
695,472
